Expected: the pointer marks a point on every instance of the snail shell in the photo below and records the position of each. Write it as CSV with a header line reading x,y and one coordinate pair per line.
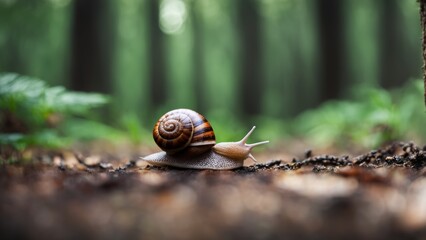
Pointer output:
x,y
184,130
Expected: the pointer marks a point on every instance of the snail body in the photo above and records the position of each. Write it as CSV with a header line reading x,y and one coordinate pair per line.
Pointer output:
x,y
188,141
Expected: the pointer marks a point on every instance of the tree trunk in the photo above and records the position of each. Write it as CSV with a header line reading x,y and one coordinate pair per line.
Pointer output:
x,y
198,58
395,67
331,48
250,83
423,24
156,54
92,45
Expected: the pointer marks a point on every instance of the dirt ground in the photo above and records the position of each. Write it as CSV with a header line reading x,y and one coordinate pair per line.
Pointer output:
x,y
67,195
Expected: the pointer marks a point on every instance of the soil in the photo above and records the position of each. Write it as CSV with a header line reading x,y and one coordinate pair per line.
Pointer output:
x,y
70,195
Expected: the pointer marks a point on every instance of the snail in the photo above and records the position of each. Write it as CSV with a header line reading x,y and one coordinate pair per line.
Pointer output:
x,y
188,141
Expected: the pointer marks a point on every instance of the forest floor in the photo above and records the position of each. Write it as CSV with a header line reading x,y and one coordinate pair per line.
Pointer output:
x,y
80,195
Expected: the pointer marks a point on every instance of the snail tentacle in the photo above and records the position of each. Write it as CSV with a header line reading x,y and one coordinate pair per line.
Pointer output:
x,y
238,150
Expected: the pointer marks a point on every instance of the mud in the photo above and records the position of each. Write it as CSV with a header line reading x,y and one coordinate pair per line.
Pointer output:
x,y
66,195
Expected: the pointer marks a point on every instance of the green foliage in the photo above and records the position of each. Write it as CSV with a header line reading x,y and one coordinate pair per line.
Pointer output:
x,y
204,55
131,125
32,113
375,117
227,127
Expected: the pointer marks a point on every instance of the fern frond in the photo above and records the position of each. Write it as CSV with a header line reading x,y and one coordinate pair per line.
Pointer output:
x,y
30,110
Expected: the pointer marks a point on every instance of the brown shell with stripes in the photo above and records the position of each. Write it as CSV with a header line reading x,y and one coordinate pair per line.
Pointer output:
x,y
184,131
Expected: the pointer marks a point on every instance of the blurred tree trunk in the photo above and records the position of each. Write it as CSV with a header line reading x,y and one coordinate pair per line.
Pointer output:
x,y
331,48
92,46
299,79
423,25
394,63
156,55
250,85
198,57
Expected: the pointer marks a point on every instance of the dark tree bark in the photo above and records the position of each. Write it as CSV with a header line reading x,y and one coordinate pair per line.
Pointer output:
x,y
423,25
250,83
92,45
198,58
331,48
395,67
300,85
156,54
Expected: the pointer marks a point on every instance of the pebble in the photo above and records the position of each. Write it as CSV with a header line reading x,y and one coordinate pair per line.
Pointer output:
x,y
70,161
92,161
105,165
57,161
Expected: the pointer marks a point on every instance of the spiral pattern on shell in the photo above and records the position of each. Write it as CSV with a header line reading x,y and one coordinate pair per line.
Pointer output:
x,y
183,129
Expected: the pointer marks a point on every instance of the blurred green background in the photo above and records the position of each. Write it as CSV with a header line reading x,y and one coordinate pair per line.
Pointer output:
x,y
328,70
